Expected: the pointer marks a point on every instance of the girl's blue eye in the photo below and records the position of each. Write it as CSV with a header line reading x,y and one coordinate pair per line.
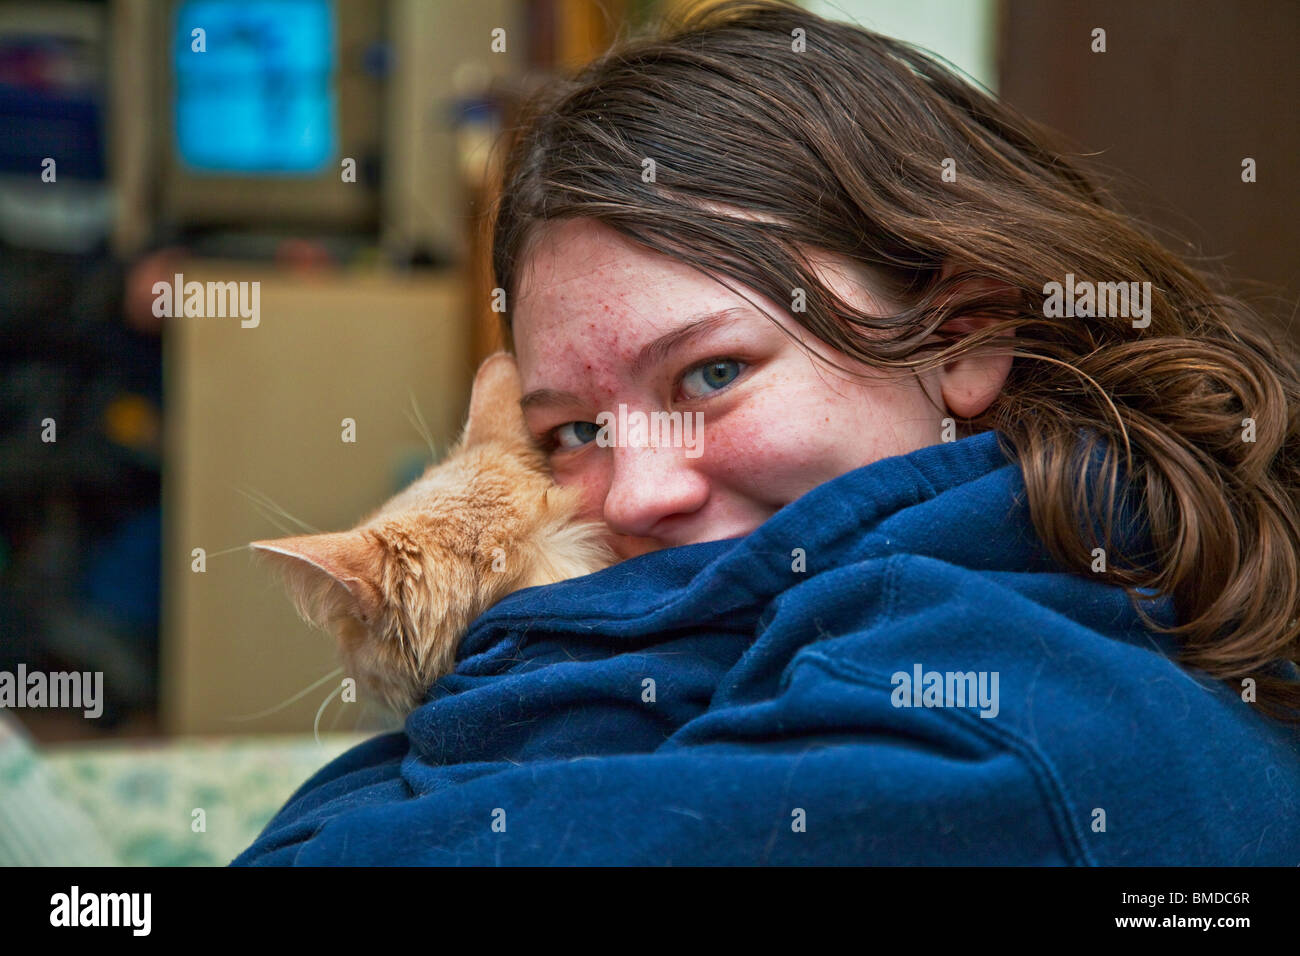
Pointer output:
x,y
576,434
710,377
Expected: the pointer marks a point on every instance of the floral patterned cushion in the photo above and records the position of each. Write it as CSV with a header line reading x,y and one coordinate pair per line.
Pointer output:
x,y
136,804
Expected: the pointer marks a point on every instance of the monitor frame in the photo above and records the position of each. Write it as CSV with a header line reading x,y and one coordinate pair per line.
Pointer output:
x,y
192,198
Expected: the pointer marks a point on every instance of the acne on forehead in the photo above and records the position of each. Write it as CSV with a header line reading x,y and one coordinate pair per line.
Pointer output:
x,y
586,283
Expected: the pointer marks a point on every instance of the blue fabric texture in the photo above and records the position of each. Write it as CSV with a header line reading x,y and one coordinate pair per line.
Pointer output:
x,y
735,703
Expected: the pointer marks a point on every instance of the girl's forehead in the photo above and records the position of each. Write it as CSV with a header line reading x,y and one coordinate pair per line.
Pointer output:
x,y
593,282
586,259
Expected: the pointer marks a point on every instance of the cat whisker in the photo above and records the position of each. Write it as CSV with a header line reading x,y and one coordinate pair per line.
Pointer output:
x,y
263,501
420,425
270,519
315,726
294,699
337,714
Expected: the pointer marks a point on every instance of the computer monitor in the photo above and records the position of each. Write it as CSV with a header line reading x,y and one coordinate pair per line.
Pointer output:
x,y
262,102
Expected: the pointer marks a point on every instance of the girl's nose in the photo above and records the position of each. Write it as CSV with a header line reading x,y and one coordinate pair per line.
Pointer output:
x,y
650,485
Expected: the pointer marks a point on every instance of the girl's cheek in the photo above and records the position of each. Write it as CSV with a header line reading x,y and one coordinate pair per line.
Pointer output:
x,y
771,452
744,439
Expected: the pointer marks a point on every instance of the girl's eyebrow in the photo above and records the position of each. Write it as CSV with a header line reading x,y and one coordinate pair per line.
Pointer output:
x,y
650,354
693,328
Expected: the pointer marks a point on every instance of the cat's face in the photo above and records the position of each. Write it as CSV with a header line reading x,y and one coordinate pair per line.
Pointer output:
x,y
399,590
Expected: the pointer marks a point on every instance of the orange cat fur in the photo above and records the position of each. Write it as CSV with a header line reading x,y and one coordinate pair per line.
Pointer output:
x,y
399,590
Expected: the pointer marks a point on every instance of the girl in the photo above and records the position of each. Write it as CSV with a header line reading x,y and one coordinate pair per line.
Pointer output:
x,y
990,550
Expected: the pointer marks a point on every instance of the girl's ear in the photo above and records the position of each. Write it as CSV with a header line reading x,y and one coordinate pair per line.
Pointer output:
x,y
971,383
329,576
494,412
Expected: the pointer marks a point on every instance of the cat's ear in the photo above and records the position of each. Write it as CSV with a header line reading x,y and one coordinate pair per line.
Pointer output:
x,y
329,575
494,413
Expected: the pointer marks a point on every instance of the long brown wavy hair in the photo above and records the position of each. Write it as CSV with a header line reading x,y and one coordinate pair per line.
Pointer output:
x,y
840,145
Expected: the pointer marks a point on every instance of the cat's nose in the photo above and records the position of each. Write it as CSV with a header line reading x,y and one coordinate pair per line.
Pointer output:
x,y
653,493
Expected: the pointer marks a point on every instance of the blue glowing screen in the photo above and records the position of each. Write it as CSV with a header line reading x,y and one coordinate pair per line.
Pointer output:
x,y
259,98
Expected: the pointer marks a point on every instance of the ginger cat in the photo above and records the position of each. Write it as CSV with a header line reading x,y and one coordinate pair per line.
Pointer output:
x,y
400,589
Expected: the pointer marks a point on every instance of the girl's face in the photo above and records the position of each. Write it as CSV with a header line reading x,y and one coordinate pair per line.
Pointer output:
x,y
601,323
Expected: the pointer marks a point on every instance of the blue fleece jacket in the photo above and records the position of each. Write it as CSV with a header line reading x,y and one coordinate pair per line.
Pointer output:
x,y
890,670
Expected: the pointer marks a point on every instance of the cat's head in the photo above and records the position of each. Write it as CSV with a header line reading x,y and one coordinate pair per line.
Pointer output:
x,y
399,590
